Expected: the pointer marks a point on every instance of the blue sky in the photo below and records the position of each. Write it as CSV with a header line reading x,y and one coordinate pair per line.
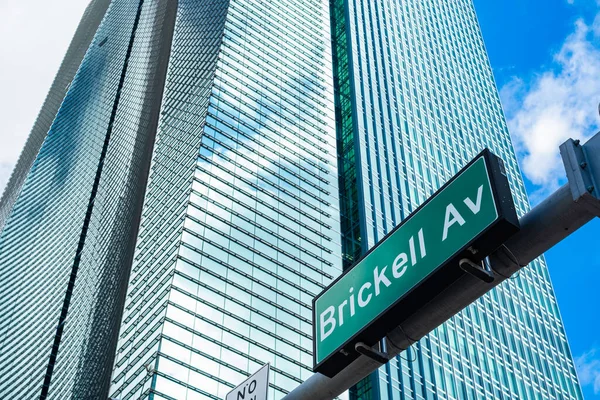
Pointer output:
x,y
546,60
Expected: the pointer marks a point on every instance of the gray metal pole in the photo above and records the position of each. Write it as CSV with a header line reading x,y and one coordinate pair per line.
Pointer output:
x,y
541,228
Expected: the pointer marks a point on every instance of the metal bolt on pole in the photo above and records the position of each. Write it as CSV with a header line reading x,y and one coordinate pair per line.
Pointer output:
x,y
562,213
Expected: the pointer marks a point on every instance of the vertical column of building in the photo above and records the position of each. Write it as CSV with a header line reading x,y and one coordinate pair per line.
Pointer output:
x,y
81,41
260,232
425,104
197,36
351,218
86,357
66,250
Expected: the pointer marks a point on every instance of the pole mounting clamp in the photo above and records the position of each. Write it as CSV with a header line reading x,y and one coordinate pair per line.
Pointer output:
x,y
373,354
582,164
481,271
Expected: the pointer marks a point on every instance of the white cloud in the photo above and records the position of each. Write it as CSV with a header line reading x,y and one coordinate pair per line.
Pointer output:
x,y
588,3
588,369
556,105
34,36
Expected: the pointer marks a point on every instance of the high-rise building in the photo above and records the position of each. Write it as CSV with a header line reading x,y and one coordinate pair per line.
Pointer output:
x,y
416,100
240,225
81,40
213,164
67,244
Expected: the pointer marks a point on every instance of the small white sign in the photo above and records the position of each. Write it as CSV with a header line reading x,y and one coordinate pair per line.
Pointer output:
x,y
254,388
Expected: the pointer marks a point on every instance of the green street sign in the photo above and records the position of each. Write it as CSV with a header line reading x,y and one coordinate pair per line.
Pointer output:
x,y
414,262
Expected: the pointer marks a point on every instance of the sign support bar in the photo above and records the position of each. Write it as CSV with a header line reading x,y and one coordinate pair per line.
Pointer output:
x,y
561,214
373,354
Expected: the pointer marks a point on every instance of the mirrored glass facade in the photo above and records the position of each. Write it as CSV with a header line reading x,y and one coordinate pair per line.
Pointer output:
x,y
416,101
66,248
77,49
240,226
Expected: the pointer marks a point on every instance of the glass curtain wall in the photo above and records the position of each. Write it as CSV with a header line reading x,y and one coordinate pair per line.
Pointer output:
x,y
84,35
425,103
243,198
66,248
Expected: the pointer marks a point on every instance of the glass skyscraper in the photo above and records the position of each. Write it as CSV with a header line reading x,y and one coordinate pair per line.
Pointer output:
x,y
416,100
81,40
240,225
67,244
202,169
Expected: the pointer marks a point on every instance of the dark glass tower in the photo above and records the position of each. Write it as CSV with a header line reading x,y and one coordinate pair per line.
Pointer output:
x,y
67,244
202,169
415,101
81,41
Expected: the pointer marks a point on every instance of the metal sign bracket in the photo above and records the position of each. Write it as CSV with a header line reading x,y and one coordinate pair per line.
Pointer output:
x,y
582,164
479,270
373,354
